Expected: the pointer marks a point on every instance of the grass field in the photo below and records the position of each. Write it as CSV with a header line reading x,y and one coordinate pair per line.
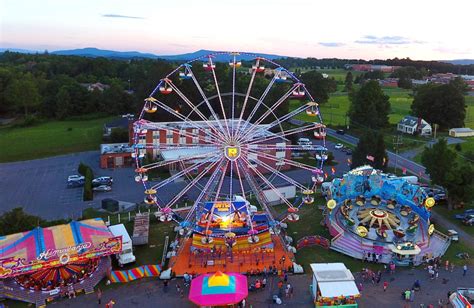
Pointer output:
x,y
49,139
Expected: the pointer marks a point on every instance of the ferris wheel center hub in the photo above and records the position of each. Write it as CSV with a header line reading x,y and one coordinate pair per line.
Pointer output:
x,y
232,152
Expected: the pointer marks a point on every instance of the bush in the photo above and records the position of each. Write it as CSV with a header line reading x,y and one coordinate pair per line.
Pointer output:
x,y
88,194
29,120
82,169
458,147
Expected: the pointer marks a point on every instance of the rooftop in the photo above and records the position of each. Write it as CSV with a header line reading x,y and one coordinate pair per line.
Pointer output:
x,y
109,148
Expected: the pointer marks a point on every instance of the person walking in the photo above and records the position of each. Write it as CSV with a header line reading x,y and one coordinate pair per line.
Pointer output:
x,y
407,295
412,295
452,267
446,265
99,296
385,285
464,270
110,304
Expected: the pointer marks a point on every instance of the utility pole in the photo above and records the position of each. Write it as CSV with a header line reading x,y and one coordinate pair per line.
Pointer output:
x,y
397,141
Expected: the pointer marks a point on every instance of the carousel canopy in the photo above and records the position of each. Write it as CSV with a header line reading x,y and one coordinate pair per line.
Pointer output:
x,y
41,245
218,289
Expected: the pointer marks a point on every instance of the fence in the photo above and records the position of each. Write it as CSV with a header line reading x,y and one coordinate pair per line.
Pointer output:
x,y
311,240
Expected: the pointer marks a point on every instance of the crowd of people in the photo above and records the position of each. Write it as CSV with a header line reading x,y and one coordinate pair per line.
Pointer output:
x,y
58,277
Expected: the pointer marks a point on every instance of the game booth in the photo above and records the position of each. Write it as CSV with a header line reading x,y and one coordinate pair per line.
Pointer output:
x,y
382,218
333,285
40,265
218,289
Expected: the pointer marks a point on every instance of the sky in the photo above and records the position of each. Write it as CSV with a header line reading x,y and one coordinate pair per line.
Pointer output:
x,y
363,29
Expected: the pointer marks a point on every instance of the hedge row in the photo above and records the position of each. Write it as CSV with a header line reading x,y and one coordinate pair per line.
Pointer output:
x,y
86,171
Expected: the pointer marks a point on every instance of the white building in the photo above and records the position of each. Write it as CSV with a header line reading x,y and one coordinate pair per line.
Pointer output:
x,y
410,125
461,132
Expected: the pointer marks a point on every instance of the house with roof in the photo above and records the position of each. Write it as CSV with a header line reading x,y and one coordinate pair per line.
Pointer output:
x,y
411,125
461,132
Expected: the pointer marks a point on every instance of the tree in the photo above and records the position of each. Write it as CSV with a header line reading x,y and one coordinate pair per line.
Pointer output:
x,y
318,86
369,106
370,150
348,82
63,103
460,183
23,92
16,220
441,104
405,83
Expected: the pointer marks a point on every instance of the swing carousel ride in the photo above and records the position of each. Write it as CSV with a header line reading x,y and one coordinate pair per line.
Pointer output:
x,y
230,142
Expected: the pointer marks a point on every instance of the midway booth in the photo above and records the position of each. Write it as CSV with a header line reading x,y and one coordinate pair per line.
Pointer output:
x,y
45,263
333,285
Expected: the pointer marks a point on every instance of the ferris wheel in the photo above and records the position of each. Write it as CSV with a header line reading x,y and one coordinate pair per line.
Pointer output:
x,y
221,127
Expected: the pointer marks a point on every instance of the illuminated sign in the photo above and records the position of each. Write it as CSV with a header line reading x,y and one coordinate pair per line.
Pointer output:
x,y
223,206
232,152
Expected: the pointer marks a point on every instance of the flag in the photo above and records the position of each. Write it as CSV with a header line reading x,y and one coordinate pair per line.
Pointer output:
x,y
333,170
404,170
384,160
371,158
349,161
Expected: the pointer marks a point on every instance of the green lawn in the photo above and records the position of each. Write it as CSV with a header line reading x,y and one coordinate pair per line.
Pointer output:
x,y
309,224
443,210
49,139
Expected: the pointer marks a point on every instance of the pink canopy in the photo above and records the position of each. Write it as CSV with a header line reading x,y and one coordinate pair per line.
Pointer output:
x,y
218,289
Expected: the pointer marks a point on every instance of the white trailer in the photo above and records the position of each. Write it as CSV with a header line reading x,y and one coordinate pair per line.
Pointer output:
x,y
286,191
126,256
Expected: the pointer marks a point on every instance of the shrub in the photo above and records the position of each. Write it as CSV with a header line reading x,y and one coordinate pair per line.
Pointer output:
x,y
82,169
88,194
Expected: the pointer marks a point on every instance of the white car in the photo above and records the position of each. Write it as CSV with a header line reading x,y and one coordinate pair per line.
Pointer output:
x,y
339,146
102,188
75,177
321,157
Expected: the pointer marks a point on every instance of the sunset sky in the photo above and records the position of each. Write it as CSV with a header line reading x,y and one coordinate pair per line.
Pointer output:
x,y
365,29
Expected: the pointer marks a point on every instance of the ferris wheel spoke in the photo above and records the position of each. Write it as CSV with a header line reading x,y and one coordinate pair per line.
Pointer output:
x,y
231,180
206,100
194,108
255,108
233,101
206,189
286,133
281,175
268,112
269,184
191,184
285,160
173,161
240,179
183,118
221,181
219,96
254,72
180,132
181,173
281,119
261,198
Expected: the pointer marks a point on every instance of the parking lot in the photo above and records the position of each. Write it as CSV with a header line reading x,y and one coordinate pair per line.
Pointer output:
x,y
39,186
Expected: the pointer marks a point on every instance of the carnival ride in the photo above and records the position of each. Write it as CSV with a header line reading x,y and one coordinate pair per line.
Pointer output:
x,y
238,141
370,212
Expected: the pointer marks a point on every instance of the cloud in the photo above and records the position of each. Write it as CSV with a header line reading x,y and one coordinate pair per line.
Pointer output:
x,y
121,16
331,44
386,40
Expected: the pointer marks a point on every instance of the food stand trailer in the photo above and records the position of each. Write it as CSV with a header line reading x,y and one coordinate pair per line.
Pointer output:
x,y
333,285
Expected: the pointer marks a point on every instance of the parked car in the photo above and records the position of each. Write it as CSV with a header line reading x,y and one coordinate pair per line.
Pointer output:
x,y
469,220
102,188
453,234
103,180
75,177
339,146
320,148
465,214
349,152
74,184
340,132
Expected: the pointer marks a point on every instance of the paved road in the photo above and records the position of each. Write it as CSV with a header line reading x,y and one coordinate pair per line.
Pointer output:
x,y
395,160
447,224
150,293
